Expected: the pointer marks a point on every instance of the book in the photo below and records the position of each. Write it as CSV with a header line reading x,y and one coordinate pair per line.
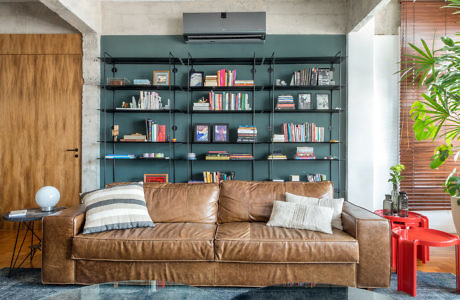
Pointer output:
x,y
17,213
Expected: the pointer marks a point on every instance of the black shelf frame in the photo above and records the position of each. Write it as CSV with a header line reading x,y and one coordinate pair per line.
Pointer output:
x,y
189,63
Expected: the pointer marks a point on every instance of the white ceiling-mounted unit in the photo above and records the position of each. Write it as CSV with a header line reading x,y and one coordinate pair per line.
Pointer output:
x,y
236,27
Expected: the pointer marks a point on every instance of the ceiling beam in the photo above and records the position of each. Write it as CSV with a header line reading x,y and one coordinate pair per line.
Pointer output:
x,y
84,15
360,11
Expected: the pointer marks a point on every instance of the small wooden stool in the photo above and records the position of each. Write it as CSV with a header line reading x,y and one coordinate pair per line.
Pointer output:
x,y
407,242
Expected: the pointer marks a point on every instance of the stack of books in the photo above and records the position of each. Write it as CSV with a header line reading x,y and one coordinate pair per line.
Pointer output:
x,y
246,134
248,82
201,106
241,156
217,155
306,132
285,102
120,156
316,177
304,153
154,131
217,177
136,137
276,156
278,138
210,80
229,101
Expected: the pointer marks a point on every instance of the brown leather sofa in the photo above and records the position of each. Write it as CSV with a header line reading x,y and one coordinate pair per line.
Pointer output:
x,y
211,235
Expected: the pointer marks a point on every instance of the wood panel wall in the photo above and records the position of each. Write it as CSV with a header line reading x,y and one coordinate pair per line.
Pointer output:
x,y
429,21
40,112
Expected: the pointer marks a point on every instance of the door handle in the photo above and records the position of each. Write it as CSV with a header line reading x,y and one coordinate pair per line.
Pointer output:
x,y
74,149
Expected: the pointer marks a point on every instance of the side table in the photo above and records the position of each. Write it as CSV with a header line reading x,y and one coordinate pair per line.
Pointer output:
x,y
32,215
407,242
412,220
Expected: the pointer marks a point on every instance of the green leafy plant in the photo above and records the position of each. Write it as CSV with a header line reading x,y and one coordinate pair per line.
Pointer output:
x,y
437,114
395,174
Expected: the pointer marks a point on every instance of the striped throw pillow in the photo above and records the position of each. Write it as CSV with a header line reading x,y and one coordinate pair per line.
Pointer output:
x,y
117,207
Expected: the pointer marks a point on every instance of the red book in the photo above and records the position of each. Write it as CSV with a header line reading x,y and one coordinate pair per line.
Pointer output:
x,y
161,135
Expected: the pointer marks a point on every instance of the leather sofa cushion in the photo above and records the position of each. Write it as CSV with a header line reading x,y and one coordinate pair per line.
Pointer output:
x,y
245,201
182,202
256,242
164,242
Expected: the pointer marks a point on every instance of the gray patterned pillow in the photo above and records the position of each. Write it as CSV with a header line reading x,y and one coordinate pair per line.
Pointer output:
x,y
117,207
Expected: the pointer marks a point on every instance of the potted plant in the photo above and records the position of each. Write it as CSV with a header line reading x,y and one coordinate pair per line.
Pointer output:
x,y
437,114
395,179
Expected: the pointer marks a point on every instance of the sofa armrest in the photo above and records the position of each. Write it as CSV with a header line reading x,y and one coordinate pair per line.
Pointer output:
x,y
374,238
58,231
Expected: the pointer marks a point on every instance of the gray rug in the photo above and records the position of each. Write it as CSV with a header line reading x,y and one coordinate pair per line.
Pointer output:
x,y
25,284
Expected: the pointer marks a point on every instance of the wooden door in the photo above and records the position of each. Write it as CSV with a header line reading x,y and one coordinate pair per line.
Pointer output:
x,y
40,112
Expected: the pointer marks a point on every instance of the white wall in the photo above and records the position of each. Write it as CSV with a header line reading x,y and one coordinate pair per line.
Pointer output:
x,y
283,17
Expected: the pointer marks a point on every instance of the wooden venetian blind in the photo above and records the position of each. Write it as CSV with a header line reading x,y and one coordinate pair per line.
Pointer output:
x,y
429,21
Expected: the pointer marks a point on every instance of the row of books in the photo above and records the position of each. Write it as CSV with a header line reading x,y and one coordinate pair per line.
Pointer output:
x,y
224,155
276,156
155,132
304,153
217,177
285,102
226,78
247,134
312,76
147,100
306,132
224,101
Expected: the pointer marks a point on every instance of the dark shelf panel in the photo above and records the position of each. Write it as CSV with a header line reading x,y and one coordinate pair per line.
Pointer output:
x,y
304,87
141,87
224,61
131,111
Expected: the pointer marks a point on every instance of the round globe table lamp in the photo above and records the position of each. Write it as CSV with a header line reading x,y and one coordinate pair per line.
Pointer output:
x,y
47,197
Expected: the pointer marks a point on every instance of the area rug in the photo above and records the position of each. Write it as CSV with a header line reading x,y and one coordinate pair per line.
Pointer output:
x,y
25,284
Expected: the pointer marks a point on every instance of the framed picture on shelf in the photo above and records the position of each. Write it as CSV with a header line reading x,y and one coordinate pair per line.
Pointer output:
x,y
162,178
196,79
160,77
322,101
201,133
304,101
220,133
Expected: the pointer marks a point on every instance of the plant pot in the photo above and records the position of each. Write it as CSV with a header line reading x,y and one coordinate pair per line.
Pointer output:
x,y
455,212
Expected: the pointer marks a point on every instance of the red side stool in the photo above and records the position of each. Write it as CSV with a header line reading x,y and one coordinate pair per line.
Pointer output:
x,y
407,242
413,220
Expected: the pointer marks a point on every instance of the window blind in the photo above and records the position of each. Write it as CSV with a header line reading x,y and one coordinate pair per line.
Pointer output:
x,y
429,21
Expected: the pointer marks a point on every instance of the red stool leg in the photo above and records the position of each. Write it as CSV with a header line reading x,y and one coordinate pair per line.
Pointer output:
x,y
394,253
424,251
407,267
457,259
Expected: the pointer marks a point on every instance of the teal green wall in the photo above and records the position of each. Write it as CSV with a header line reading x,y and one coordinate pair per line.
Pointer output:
x,y
161,46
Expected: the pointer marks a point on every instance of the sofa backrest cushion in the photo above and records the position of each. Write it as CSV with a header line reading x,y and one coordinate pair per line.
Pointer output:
x,y
182,202
252,201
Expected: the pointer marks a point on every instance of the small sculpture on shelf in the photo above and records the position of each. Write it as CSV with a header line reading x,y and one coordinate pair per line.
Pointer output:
x,y
115,132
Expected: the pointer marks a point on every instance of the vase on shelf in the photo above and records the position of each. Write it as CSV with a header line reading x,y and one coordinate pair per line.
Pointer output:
x,y
387,206
403,205
395,199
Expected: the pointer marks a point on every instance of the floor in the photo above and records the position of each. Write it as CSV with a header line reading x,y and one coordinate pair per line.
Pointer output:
x,y
441,259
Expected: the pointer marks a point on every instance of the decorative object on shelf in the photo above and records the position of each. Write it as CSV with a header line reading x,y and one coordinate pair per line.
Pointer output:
x,y
201,133
403,205
395,179
387,205
322,101
115,132
246,134
47,197
304,101
191,156
295,178
141,82
285,102
162,178
117,81
201,104
316,177
161,78
325,76
196,79
220,133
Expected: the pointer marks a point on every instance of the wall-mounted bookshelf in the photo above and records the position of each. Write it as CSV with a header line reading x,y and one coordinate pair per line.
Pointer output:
x,y
180,118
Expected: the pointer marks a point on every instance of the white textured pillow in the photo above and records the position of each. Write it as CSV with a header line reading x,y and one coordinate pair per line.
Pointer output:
x,y
335,204
300,216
